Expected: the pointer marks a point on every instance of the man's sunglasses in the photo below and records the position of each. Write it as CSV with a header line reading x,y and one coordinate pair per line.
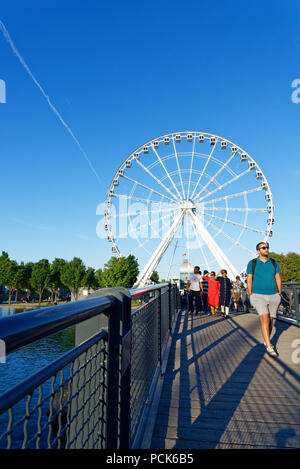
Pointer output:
x,y
264,247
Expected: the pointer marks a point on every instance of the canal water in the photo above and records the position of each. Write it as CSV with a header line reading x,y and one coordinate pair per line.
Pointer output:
x,y
23,363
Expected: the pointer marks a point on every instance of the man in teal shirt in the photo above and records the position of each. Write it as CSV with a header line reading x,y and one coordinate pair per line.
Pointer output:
x,y
264,288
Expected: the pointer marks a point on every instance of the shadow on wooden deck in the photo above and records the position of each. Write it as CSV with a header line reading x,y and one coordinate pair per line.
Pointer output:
x,y
220,389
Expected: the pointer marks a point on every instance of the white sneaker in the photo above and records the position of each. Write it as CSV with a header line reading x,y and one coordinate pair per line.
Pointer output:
x,y
271,351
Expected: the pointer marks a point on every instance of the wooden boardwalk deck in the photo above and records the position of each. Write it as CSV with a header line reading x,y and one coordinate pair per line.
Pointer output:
x,y
221,390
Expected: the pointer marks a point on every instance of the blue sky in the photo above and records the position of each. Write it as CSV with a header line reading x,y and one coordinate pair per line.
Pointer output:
x,y
121,73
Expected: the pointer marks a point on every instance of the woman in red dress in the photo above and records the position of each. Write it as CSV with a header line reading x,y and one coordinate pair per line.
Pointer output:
x,y
213,292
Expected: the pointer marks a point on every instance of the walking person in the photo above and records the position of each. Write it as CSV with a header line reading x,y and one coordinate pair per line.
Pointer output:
x,y
225,292
213,292
195,290
205,292
237,292
264,288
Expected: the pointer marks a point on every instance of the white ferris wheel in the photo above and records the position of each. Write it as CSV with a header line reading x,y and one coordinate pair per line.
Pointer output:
x,y
193,194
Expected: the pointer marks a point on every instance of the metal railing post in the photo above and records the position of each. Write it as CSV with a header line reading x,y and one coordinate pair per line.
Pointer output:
x,y
125,372
159,328
112,399
118,383
118,375
296,304
170,308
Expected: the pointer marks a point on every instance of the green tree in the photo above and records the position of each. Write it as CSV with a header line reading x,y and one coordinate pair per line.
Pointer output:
x,y
72,275
27,279
121,272
289,266
8,271
4,259
280,258
20,279
40,277
90,280
132,271
155,277
99,278
55,282
293,264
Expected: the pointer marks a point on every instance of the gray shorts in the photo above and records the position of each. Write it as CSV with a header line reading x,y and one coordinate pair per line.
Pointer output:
x,y
265,304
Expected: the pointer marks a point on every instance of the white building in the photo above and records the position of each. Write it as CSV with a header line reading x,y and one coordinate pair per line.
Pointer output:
x,y
186,269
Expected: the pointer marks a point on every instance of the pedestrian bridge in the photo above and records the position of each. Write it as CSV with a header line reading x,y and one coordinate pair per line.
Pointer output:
x,y
220,390
144,374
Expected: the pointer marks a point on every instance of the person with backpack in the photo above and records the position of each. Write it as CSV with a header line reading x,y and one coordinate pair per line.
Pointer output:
x,y
264,288
237,286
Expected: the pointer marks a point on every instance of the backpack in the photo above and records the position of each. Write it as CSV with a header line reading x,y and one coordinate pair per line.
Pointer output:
x,y
254,265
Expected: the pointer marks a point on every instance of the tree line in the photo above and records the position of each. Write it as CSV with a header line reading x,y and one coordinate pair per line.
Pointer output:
x,y
289,265
39,277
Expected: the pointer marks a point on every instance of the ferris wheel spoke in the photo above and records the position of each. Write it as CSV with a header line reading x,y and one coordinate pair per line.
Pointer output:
x,y
140,246
192,162
212,245
216,174
236,209
166,171
234,241
160,250
200,245
157,180
235,223
238,194
246,212
137,183
155,233
235,178
133,230
187,244
140,199
179,172
204,169
172,259
150,212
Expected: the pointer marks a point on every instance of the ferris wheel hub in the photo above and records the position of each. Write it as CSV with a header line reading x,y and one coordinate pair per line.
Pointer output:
x,y
187,204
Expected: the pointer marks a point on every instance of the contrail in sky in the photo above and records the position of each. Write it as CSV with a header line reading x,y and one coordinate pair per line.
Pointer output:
x,y
17,53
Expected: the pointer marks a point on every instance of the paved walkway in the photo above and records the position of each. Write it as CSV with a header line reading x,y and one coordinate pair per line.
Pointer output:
x,y
221,390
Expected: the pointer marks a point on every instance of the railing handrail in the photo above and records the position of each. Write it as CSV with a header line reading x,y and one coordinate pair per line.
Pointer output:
x,y
134,292
22,329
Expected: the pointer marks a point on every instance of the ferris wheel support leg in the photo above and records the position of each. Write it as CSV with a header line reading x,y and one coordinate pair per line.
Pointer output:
x,y
158,253
217,252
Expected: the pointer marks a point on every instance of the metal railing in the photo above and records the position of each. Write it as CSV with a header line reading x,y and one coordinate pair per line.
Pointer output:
x,y
289,308
98,394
